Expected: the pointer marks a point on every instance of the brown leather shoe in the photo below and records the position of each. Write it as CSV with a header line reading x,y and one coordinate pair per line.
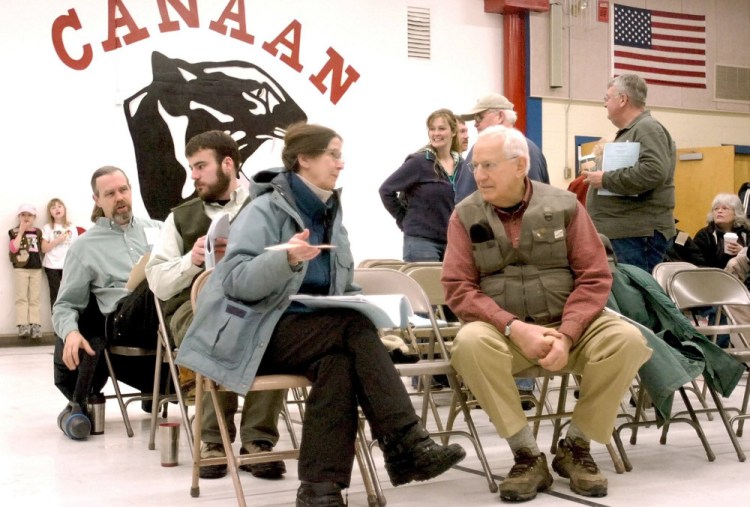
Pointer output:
x,y
269,470
212,450
526,478
573,461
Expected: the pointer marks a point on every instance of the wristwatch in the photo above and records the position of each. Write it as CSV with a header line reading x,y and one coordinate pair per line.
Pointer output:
x,y
507,326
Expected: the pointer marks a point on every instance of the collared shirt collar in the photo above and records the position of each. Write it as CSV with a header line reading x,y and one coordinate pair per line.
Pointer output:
x,y
521,206
108,223
431,154
237,196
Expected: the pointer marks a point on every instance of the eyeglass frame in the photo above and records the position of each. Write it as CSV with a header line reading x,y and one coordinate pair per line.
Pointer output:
x,y
472,168
336,155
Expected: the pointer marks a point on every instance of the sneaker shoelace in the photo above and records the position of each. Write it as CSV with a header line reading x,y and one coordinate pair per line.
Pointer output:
x,y
523,464
582,457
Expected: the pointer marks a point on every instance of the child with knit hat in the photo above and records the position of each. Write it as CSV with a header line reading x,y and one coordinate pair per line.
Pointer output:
x,y
25,254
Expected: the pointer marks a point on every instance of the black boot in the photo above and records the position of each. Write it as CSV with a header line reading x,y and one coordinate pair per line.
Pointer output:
x,y
319,494
411,455
74,422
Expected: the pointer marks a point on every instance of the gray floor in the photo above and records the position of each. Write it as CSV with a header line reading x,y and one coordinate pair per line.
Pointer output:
x,y
40,466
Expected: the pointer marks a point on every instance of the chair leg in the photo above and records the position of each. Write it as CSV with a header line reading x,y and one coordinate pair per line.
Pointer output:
x,y
195,489
743,413
375,495
473,434
156,398
118,394
727,424
231,458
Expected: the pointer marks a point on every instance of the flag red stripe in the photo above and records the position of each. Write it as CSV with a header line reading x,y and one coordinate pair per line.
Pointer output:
x,y
674,49
677,38
677,15
682,28
662,59
669,72
675,83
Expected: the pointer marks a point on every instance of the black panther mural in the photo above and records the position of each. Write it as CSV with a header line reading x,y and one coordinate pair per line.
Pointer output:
x,y
185,99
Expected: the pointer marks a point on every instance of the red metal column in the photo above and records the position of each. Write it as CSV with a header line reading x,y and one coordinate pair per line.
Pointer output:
x,y
514,63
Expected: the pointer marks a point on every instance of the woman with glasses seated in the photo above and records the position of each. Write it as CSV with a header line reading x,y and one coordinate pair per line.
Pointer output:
x,y
726,217
245,324
420,194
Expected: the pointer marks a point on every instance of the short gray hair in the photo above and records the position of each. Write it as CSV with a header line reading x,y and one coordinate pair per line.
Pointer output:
x,y
514,142
633,86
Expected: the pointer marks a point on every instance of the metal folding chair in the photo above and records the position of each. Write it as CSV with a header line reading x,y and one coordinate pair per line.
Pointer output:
x,y
389,281
696,288
232,460
663,271
166,353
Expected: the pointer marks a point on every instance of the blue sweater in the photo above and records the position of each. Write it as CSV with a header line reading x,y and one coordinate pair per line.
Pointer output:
x,y
419,195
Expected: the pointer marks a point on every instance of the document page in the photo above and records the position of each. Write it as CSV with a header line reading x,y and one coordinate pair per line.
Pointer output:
x,y
219,228
385,311
616,156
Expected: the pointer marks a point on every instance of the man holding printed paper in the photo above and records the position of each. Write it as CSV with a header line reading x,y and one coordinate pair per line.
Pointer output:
x,y
633,204
181,254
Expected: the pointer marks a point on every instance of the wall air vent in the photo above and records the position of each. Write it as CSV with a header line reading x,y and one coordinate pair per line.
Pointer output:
x,y
418,32
732,83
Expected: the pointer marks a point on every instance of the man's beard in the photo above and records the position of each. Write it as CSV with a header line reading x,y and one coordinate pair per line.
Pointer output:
x,y
122,218
214,192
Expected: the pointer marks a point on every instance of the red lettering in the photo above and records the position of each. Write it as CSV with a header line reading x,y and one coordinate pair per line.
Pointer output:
x,y
70,20
334,65
291,59
135,33
188,14
219,25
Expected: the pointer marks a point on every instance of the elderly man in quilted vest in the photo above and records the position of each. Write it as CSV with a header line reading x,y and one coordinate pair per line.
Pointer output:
x,y
527,272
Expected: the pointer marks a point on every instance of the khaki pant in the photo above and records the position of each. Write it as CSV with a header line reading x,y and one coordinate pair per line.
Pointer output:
x,y
28,285
607,357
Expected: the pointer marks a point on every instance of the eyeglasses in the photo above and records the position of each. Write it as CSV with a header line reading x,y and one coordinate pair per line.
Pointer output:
x,y
481,116
336,155
489,166
607,98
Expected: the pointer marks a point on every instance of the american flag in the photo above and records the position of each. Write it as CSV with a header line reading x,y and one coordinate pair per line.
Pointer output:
x,y
664,48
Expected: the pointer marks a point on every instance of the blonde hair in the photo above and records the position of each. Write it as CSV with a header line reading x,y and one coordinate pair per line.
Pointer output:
x,y
50,218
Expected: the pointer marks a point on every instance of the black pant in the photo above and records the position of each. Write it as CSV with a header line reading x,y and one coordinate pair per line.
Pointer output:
x,y
54,276
341,353
91,374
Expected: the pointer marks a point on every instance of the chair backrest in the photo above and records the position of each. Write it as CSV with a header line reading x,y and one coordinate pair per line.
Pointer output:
x,y
409,266
198,284
691,288
381,263
663,271
428,277
388,281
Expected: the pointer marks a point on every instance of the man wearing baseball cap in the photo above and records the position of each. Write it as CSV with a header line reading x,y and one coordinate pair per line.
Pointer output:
x,y
495,109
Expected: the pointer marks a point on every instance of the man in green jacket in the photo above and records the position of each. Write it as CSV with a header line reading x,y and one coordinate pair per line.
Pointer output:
x,y
633,206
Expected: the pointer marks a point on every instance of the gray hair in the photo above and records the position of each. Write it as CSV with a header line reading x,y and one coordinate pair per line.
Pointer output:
x,y
511,116
514,142
732,202
633,86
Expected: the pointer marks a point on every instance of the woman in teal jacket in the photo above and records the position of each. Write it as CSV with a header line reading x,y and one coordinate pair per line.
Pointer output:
x,y
245,325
